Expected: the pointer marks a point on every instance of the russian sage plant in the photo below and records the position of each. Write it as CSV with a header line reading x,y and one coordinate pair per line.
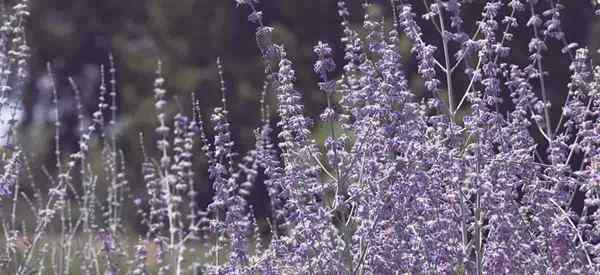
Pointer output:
x,y
459,177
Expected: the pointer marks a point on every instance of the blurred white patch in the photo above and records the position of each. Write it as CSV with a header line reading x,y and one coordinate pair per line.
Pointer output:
x,y
10,116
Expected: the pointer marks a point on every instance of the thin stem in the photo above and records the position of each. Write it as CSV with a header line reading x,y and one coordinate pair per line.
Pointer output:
x,y
447,67
469,87
566,217
540,69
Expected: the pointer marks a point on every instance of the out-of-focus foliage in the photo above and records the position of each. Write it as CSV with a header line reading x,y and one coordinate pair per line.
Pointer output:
x,y
76,37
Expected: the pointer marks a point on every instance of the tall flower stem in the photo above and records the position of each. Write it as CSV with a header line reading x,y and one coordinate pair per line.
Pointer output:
x,y
540,69
447,69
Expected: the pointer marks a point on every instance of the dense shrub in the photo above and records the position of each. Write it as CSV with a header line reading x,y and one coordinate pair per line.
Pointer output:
x,y
450,181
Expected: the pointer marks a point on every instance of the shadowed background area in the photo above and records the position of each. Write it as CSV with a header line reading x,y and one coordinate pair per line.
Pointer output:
x,y
77,36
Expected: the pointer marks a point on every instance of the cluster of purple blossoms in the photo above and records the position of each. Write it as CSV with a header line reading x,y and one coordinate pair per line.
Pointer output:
x,y
413,183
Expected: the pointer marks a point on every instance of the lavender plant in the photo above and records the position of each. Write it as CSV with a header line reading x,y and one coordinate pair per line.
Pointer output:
x,y
456,180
